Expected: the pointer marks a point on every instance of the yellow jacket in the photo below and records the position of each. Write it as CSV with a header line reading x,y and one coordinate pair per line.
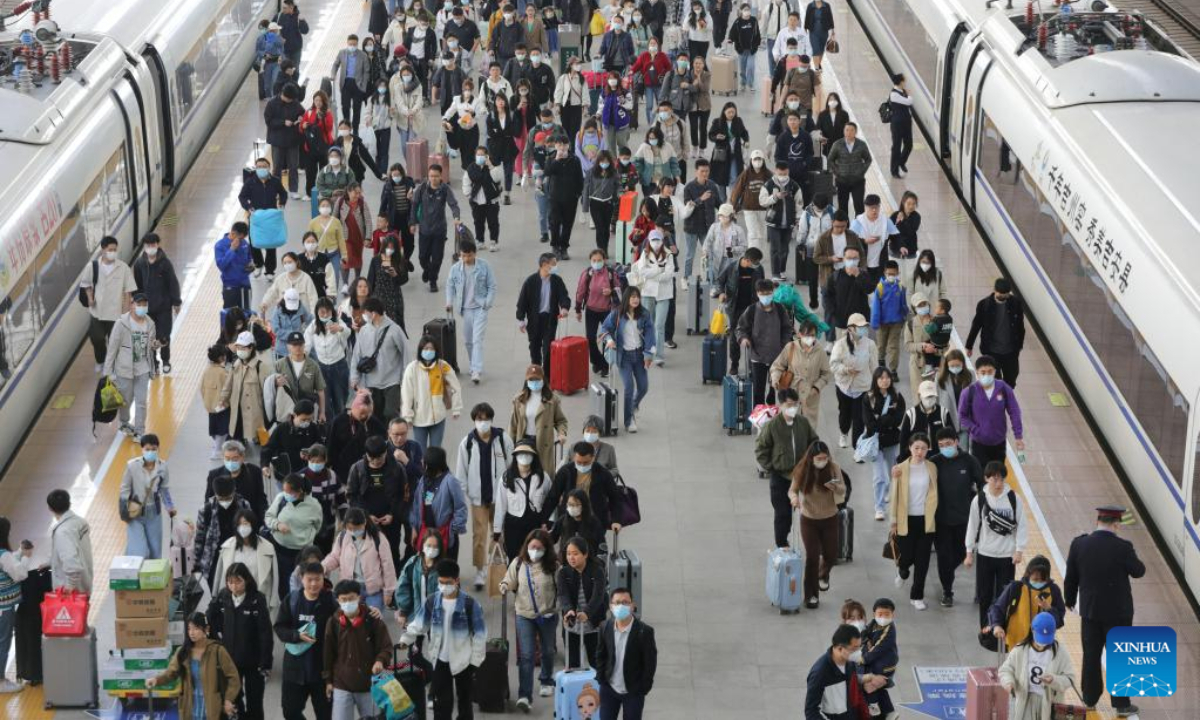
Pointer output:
x,y
898,502
330,238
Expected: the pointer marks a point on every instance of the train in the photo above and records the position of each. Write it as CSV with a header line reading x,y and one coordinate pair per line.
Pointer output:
x,y
1065,131
107,107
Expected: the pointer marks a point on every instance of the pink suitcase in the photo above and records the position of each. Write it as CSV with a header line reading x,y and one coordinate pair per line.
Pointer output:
x,y
416,156
986,698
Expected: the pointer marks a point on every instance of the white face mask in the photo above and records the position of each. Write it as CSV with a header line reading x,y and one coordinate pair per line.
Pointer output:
x,y
833,104
244,530
790,411
289,267
343,133
325,210
151,251
536,554
483,426
928,402
244,354
575,511
926,267
310,247
883,622
110,255
859,624
591,437
820,464
448,589
430,551
225,504
335,161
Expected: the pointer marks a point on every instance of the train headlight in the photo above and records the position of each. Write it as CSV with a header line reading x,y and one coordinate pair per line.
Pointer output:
x,y
47,32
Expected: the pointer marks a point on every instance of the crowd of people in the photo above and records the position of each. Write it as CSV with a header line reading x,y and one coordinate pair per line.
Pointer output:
x,y
336,499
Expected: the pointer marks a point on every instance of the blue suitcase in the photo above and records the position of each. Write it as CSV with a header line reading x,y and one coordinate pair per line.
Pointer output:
x,y
736,393
315,201
785,569
576,692
715,352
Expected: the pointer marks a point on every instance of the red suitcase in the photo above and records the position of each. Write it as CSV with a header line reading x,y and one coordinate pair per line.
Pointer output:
x,y
986,697
569,364
416,156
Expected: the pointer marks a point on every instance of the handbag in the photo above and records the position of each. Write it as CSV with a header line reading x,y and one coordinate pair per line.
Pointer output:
x,y
890,551
867,447
497,569
369,363
719,324
720,153
626,510
1068,711
64,613
832,47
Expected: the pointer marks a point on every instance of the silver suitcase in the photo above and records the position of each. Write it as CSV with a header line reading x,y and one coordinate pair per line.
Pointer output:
x,y
625,571
697,308
71,679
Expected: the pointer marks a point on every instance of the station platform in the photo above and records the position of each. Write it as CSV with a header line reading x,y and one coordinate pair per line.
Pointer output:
x,y
706,528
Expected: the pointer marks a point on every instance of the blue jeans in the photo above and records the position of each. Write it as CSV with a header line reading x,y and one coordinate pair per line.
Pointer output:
x,y
405,137
430,435
8,621
552,39
374,600
689,253
474,326
529,632
613,703
746,67
633,370
659,309
337,386
650,97
770,57
143,535
335,262
543,206
882,476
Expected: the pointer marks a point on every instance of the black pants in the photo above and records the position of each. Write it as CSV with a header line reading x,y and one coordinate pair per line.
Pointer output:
x,y
1008,367
286,562
850,416
849,188
383,146
602,216
287,158
987,453
572,118
783,509
761,372
571,653
562,217
592,320
992,575
406,237
164,321
352,102
541,330
486,215
264,259
670,332
735,350
432,249
98,332
951,551
250,701
780,242
465,140
902,142
697,48
915,549
235,297
311,167
698,122
446,687
296,696
1094,634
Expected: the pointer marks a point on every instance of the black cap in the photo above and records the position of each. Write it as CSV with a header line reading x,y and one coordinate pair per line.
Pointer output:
x,y
295,338
140,297
1110,513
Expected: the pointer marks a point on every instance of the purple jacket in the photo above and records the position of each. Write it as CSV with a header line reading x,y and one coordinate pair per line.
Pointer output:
x,y
983,419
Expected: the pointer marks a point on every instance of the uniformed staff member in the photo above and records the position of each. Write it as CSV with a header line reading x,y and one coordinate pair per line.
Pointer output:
x,y
1099,566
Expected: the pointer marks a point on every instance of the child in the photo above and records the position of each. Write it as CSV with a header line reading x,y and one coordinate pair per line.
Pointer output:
x,y
536,155
212,382
382,232
550,22
880,655
323,485
627,174
938,329
641,228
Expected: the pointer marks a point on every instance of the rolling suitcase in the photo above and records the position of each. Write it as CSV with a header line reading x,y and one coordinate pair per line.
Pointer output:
x,y
604,406
715,352
572,684
569,364
723,69
767,97
845,518
416,157
491,679
736,393
785,569
70,671
444,331
986,697
412,677
697,308
442,160
820,182
625,571
28,626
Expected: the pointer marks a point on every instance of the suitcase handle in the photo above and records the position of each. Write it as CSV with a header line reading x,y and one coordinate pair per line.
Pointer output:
x,y
504,616
616,544
583,661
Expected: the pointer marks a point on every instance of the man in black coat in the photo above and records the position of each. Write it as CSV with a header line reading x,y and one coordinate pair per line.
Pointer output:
x,y
247,477
282,115
283,453
959,480
654,13
155,276
543,301
1099,566
849,290
379,485
263,191
636,654
1000,320
564,184
292,28
602,488
302,618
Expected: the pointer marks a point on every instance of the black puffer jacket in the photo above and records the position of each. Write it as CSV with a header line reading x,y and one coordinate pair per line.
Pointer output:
x,y
244,630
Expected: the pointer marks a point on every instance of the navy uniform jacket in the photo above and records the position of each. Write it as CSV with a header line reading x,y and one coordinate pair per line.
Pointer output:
x,y
1099,566
880,651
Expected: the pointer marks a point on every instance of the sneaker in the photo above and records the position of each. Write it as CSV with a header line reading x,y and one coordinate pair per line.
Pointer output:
x,y
166,368
563,255
631,427
99,368
899,580
823,584
591,223
494,247
879,515
475,378
508,201
714,293
296,196
128,430
546,691
919,604
671,344
603,373
812,603
7,687
659,362
270,277
258,272
480,579
545,238
947,600
523,704
345,289
1127,711
684,284
782,277
844,440
433,286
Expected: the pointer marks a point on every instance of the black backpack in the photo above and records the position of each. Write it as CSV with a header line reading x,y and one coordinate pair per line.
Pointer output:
x,y
314,137
885,111
99,414
83,295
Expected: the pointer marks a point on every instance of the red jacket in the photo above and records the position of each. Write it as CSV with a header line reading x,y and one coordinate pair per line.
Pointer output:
x,y
590,291
660,65
310,118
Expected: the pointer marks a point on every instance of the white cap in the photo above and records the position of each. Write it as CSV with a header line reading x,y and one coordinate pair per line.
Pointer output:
x,y
919,299
857,320
655,234
274,26
726,209
927,389
756,155
245,339
291,298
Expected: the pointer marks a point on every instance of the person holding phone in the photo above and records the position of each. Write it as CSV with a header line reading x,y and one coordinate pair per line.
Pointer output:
x,y
819,489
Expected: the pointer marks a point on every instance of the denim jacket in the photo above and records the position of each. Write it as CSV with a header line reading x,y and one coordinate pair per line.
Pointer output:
x,y
449,504
611,327
485,285
468,638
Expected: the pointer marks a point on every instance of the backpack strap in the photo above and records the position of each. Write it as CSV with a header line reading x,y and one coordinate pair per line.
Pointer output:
x,y
983,510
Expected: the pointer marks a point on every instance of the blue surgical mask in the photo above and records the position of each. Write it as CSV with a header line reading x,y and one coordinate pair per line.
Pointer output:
x,y
553,269
357,534
150,456
923,310
428,355
764,300
653,142
620,612
851,262
233,465
316,466
604,166
597,266
987,380
262,173
583,469
290,497
349,608
1037,584
948,452
141,310
893,279
862,332
480,159
663,115
955,369
534,385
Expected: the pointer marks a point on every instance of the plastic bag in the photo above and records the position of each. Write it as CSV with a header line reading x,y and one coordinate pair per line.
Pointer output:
x,y
64,613
390,697
110,397
719,325
268,229
762,414
867,448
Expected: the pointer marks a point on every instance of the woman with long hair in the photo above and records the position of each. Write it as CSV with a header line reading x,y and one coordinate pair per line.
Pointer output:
x,y
925,278
430,391
14,568
210,680
631,352
654,277
315,156
579,521
883,411
248,549
912,506
328,339
818,490
418,580
240,617
361,552
583,597
520,503
537,415
387,276
953,377
531,577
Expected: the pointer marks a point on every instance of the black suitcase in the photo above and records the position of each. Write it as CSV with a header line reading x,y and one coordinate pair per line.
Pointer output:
x,y
443,330
845,518
28,628
713,361
413,675
820,182
491,679
604,406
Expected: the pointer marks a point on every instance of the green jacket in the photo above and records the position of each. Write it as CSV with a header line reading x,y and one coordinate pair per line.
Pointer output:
x,y
780,446
302,518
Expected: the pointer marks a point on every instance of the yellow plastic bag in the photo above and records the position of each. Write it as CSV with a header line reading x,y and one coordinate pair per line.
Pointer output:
x,y
719,324
596,26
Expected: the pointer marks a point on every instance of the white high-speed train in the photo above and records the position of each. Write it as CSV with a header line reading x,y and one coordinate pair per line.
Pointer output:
x,y
97,154
1072,139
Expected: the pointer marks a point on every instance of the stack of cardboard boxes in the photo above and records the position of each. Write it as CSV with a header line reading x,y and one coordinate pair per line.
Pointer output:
x,y
143,644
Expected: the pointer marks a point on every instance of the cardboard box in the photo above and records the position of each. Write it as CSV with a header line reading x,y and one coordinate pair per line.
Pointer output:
x,y
141,632
161,652
125,567
142,603
155,575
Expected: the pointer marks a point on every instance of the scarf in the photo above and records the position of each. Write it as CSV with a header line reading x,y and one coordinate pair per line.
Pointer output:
x,y
436,375
1021,619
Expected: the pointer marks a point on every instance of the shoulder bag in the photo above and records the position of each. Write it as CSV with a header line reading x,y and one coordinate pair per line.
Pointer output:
x,y
368,364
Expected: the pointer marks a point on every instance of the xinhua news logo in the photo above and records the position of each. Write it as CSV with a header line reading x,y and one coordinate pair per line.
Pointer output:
x,y
1140,662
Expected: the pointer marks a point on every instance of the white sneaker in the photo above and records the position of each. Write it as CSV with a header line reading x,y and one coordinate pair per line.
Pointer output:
x,y
480,579
523,704
546,691
631,427
494,246
899,582
879,515
919,604
591,223
475,378
684,284
297,196
843,440
659,362
99,368
7,687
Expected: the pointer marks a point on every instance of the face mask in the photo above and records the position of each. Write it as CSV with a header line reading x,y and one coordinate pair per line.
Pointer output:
x,y
987,380
883,622
620,612
852,263
357,534
862,332
536,554
244,531
483,426
342,132
923,310
682,66
290,497
928,403
509,17
745,14
430,552
764,300
303,424
534,385
820,464
757,163
480,160
653,49
233,465
520,57
833,104
808,340
617,27
325,209
1037,584
583,469
591,437
535,59
893,279
289,267
225,504
335,161
612,82
656,244
262,173
790,412
637,18
926,267
351,48
859,624
575,511
310,247
316,466
663,115
553,269
428,355
624,161
524,459
141,310
653,141
151,252
381,90
955,369
856,656
244,354
604,166
793,105
447,63
448,589
793,52
350,608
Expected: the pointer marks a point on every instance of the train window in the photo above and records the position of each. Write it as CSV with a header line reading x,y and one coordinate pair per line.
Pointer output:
x,y
92,208
20,324
208,55
921,50
1154,398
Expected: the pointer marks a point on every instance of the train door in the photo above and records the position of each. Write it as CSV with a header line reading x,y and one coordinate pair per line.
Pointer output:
x,y
162,113
979,63
947,85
